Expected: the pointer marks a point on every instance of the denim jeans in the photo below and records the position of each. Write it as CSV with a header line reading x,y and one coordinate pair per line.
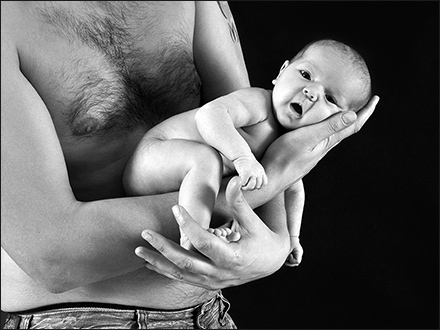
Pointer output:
x,y
212,314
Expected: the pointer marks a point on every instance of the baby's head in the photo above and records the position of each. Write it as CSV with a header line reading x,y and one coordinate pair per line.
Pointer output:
x,y
324,78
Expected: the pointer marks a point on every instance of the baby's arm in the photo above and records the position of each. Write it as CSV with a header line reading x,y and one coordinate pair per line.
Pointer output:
x,y
294,203
217,122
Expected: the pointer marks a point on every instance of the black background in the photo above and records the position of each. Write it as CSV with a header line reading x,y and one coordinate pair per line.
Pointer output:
x,y
371,220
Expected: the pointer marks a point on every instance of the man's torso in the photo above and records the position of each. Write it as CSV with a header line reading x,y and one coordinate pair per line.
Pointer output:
x,y
107,72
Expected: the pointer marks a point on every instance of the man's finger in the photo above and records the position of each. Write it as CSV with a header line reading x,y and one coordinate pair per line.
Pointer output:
x,y
241,210
161,265
366,112
333,130
203,241
362,116
322,131
171,255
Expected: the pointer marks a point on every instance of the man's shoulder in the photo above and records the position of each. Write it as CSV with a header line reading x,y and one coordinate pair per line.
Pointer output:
x,y
17,22
13,14
10,14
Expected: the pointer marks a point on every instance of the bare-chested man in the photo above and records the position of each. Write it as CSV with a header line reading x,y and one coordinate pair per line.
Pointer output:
x,y
81,84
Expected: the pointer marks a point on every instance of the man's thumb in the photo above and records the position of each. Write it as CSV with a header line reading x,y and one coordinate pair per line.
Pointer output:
x,y
241,211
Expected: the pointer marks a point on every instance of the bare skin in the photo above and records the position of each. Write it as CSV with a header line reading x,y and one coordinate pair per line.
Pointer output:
x,y
75,127
191,151
77,95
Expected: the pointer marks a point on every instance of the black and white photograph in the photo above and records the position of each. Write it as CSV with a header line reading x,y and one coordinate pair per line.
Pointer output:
x,y
220,164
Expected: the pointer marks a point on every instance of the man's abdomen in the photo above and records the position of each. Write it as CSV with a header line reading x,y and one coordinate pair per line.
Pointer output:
x,y
142,288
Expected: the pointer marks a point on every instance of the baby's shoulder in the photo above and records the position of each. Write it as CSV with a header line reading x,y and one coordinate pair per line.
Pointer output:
x,y
255,95
256,91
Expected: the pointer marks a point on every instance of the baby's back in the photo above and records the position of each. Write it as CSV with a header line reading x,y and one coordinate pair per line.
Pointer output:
x,y
181,126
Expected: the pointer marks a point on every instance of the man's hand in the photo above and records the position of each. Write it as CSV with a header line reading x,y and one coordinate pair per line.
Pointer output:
x,y
263,247
294,154
258,253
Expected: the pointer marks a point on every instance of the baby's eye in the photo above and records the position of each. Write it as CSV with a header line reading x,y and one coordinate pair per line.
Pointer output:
x,y
305,74
330,99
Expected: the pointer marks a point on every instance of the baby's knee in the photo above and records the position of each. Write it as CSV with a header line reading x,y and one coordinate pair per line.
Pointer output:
x,y
207,160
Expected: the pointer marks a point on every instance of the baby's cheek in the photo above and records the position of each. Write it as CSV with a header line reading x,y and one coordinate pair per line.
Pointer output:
x,y
325,113
316,116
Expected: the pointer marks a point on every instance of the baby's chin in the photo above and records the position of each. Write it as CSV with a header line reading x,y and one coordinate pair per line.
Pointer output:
x,y
289,121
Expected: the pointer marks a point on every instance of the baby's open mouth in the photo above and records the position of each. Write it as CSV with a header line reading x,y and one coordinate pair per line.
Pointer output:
x,y
297,108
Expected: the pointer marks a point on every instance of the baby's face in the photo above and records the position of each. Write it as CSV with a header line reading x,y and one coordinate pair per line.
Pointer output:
x,y
315,87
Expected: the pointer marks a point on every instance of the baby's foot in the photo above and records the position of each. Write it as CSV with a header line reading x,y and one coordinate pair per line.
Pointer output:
x,y
225,233
220,232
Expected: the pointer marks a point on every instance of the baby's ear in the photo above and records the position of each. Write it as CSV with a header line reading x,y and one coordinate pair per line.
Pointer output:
x,y
283,67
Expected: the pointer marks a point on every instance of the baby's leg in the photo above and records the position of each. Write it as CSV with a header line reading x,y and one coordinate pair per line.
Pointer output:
x,y
294,202
192,168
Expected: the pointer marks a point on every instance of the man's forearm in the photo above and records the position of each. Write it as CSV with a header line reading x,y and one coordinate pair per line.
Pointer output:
x,y
94,241
110,230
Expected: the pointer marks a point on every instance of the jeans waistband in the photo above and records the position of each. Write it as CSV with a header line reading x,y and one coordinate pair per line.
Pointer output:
x,y
96,312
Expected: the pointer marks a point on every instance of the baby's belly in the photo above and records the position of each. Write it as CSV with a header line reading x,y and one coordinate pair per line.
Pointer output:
x,y
142,288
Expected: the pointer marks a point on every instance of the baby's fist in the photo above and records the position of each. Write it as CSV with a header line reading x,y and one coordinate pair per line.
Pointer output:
x,y
251,172
295,257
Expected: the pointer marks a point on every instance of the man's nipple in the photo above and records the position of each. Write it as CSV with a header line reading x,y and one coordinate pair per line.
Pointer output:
x,y
85,126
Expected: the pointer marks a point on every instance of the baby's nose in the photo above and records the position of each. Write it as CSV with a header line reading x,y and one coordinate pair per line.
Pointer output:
x,y
313,91
310,94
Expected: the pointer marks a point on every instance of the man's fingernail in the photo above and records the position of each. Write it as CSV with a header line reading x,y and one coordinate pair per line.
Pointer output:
x,y
176,211
138,252
147,236
349,117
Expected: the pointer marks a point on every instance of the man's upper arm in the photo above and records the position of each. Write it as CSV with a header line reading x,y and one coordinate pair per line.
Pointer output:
x,y
33,167
217,51
34,182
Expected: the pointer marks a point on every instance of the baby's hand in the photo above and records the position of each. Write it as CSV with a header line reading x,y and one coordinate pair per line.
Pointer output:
x,y
295,257
251,172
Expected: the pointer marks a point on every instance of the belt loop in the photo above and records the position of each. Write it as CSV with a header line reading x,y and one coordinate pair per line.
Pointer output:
x,y
224,308
12,321
142,318
201,310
